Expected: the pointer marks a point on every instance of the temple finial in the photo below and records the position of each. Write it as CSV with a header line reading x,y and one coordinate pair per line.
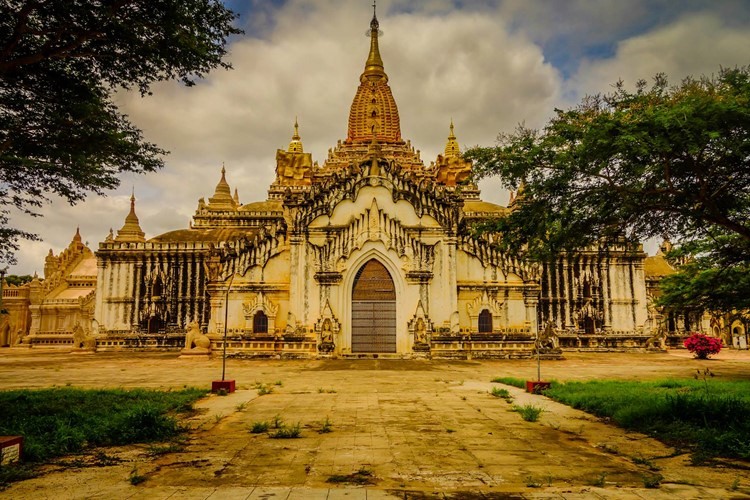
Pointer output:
x,y
374,66
452,149
131,230
295,145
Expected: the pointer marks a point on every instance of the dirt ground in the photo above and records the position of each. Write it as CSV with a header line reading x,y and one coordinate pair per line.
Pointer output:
x,y
410,429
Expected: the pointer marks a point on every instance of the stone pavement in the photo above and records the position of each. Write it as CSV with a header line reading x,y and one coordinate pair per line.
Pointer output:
x,y
413,429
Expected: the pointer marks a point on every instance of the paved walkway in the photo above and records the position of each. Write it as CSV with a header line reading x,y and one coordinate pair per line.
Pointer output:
x,y
412,429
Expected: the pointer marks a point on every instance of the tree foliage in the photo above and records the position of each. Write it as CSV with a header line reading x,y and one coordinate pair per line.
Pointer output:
x,y
18,280
60,61
658,161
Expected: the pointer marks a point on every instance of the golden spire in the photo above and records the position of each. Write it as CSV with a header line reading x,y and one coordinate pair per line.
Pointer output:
x,y
131,230
374,66
374,110
295,146
222,198
452,148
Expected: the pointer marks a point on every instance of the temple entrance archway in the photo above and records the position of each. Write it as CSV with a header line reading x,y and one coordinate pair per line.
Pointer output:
x,y
373,309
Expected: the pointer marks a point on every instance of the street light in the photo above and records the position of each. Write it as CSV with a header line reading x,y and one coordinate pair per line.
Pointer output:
x,y
2,281
226,386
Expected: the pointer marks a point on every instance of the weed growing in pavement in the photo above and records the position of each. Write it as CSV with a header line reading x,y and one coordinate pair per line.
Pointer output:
x,y
285,432
259,427
156,450
735,484
532,482
646,462
277,422
326,427
599,481
502,393
652,480
136,478
264,389
529,413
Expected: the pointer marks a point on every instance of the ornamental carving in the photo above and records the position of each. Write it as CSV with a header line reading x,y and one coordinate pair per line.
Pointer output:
x,y
489,303
373,225
327,329
261,303
420,329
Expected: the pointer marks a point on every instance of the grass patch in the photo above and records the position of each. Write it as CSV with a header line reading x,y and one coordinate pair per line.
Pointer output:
x,y
529,413
363,476
259,427
287,432
326,427
652,480
60,421
157,450
645,462
600,480
707,418
264,389
136,478
501,393
515,382
15,472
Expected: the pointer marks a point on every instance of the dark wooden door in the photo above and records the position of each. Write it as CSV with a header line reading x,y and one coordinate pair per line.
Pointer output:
x,y
373,310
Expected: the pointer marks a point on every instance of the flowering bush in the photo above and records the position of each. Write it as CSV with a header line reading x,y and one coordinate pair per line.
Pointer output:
x,y
702,345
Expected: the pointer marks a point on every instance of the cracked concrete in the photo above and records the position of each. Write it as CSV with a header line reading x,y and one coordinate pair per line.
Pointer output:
x,y
422,429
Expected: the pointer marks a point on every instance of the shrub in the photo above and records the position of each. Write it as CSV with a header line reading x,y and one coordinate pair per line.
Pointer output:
x,y
501,393
284,432
529,413
702,345
259,427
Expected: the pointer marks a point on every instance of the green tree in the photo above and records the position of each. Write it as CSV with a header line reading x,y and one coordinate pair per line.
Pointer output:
x,y
60,61
18,280
630,165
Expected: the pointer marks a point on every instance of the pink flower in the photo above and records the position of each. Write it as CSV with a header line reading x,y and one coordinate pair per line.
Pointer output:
x,y
703,345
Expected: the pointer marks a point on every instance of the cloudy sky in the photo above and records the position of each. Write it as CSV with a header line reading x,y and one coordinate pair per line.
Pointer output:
x,y
487,64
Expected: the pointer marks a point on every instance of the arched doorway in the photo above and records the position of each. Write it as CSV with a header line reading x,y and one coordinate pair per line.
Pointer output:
x,y
373,309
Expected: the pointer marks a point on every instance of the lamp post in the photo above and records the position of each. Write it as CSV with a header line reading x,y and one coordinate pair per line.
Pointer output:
x,y
224,386
2,282
226,320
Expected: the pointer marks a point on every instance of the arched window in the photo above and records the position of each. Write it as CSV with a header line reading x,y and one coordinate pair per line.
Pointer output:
x,y
260,322
485,321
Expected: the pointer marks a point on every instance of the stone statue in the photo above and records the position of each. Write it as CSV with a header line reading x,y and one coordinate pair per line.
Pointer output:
x,y
81,340
326,334
420,332
659,339
547,339
291,324
455,324
195,341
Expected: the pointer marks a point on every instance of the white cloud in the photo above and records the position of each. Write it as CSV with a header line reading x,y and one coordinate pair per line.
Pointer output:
x,y
482,66
694,45
460,65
